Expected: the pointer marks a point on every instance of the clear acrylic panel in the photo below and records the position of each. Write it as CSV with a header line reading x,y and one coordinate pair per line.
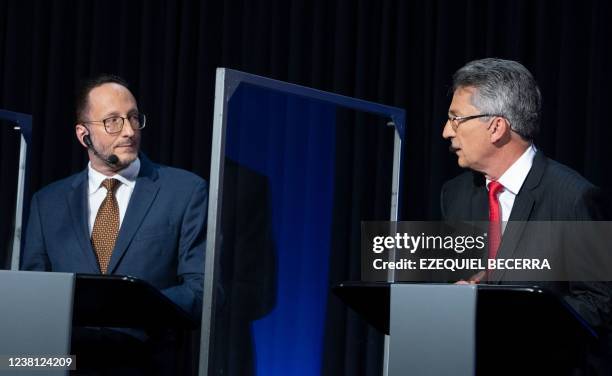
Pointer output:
x,y
296,172
15,132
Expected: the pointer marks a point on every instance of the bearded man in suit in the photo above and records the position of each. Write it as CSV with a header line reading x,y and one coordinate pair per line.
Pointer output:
x,y
122,215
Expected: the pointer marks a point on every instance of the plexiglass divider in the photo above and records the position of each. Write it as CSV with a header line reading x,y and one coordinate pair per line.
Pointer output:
x,y
15,136
294,171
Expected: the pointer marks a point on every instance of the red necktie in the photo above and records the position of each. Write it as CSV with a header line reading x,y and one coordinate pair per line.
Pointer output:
x,y
494,218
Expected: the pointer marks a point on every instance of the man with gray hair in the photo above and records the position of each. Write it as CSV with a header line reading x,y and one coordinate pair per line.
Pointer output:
x,y
492,121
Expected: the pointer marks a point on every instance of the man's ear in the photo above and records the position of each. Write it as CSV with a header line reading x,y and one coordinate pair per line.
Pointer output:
x,y
500,129
81,131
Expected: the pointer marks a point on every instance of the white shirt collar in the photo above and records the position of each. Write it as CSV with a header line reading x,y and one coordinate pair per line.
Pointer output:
x,y
126,176
514,177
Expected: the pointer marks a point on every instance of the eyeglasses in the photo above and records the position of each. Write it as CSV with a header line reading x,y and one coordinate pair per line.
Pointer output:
x,y
114,124
455,121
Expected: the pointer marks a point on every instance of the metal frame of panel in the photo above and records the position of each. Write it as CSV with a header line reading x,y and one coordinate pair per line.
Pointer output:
x,y
227,80
23,124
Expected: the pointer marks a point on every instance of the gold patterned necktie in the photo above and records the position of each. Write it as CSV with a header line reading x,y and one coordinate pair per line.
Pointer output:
x,y
106,226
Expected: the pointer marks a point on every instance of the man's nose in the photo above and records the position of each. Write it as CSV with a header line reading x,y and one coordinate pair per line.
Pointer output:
x,y
447,131
127,130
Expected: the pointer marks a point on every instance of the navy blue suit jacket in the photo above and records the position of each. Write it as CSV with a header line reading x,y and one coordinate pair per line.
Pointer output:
x,y
161,239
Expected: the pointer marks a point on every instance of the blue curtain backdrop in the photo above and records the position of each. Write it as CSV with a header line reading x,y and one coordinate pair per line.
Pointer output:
x,y
291,141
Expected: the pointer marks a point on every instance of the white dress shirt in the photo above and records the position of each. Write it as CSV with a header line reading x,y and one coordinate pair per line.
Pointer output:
x,y
97,193
512,180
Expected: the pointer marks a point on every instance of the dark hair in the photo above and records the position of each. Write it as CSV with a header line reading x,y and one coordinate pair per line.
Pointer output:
x,y
504,87
87,85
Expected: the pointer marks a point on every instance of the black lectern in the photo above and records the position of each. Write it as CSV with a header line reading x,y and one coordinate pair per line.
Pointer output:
x,y
103,304
440,329
123,301
41,311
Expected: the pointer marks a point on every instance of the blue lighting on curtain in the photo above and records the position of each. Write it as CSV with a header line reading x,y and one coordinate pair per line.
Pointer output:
x,y
290,140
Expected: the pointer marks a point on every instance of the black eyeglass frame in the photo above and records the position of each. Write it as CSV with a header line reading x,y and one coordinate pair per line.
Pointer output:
x,y
455,121
141,118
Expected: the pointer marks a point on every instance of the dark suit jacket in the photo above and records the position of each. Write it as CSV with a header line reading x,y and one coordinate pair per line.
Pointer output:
x,y
551,192
161,239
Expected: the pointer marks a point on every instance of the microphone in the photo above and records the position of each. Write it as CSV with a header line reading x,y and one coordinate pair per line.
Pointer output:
x,y
112,159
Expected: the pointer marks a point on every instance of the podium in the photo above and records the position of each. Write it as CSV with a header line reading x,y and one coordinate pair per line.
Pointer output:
x,y
124,301
439,329
39,310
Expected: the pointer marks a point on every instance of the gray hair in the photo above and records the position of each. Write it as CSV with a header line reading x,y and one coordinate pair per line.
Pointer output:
x,y
505,88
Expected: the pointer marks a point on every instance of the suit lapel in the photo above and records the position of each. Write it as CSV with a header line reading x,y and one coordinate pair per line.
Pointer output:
x,y
144,194
521,213
77,202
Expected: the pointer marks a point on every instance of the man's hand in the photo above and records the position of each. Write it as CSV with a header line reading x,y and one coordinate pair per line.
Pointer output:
x,y
475,279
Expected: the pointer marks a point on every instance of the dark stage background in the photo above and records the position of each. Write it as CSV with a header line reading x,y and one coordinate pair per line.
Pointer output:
x,y
400,53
